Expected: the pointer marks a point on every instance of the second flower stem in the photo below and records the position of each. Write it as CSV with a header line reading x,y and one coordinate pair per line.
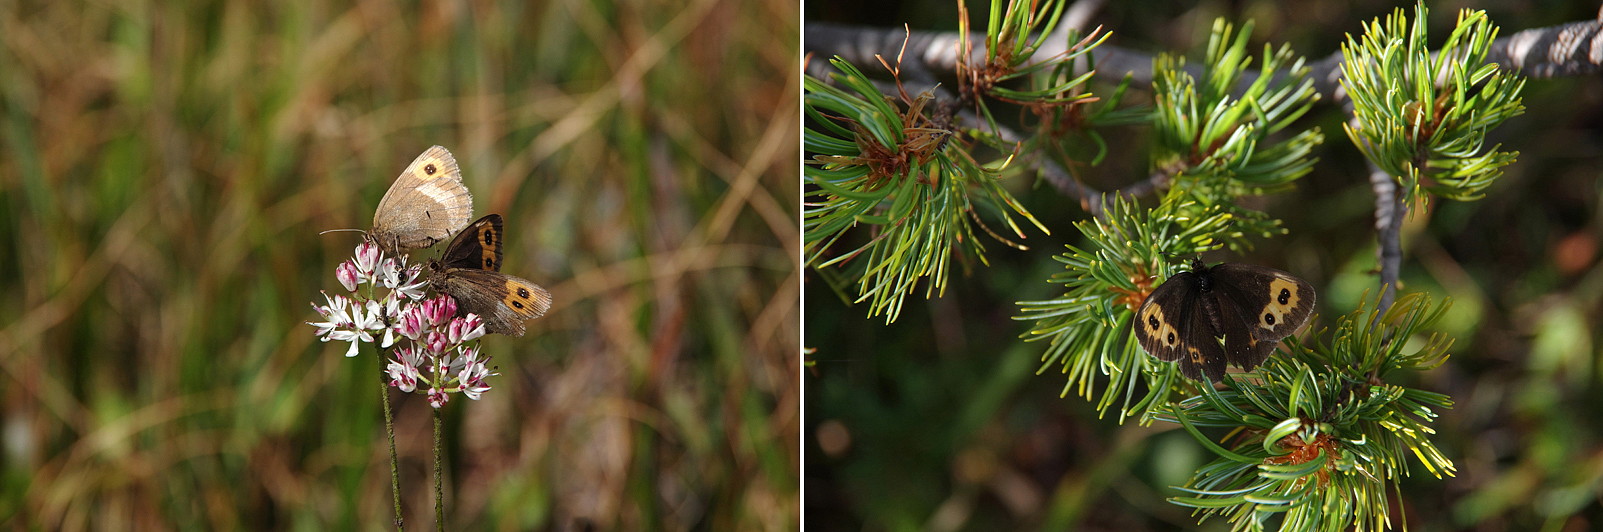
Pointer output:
x,y
439,485
389,431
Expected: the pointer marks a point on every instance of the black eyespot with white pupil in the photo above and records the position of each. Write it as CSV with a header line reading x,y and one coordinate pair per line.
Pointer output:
x,y
1285,296
489,239
1171,338
430,169
489,263
1269,319
1152,321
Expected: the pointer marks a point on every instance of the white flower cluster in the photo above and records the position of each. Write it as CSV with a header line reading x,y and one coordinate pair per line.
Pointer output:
x,y
436,353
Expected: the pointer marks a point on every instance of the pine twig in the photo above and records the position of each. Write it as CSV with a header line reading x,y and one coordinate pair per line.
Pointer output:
x,y
1563,50
1389,212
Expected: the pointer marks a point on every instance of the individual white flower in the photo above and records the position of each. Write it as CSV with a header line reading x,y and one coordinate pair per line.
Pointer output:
x,y
403,370
335,314
411,283
472,375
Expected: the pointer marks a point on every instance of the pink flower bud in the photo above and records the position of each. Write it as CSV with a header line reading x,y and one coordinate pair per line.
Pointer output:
x,y
347,275
436,342
439,310
465,329
367,256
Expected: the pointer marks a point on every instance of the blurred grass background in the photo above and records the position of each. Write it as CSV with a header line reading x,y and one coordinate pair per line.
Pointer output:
x,y
167,167
940,422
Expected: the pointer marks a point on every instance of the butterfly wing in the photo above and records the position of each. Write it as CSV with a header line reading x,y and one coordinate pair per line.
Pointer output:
x,y
478,246
1172,325
1258,307
1241,346
427,204
1200,342
503,301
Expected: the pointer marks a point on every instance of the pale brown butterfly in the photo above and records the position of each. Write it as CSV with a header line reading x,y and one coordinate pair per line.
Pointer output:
x,y
427,204
470,272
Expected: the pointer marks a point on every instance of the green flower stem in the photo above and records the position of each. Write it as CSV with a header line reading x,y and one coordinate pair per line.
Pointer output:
x,y
389,432
439,477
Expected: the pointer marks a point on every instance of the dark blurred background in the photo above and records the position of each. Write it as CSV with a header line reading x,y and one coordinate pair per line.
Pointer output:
x,y
166,170
941,422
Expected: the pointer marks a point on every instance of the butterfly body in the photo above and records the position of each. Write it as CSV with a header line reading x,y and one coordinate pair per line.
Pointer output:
x,y
426,204
470,272
1229,313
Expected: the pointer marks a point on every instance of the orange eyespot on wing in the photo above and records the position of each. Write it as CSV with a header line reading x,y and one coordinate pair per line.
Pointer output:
x,y
527,299
1156,334
1285,304
477,247
490,246
484,250
435,162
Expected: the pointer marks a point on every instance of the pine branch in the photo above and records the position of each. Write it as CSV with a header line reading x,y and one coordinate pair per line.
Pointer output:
x,y
1420,119
1562,50
1553,51
1092,200
1389,211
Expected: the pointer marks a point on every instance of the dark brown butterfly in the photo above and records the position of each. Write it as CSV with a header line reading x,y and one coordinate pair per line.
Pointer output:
x,y
1235,313
470,272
